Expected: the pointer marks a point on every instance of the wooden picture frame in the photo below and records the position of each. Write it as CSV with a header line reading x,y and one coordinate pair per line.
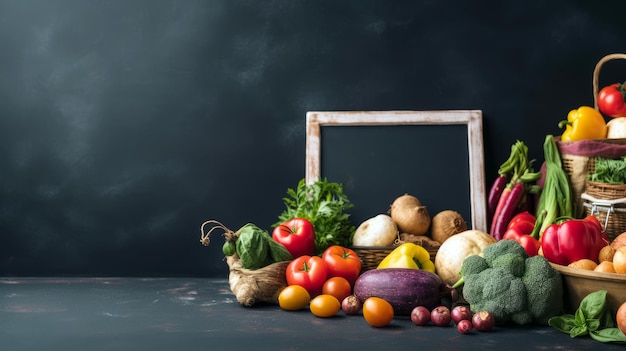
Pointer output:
x,y
471,118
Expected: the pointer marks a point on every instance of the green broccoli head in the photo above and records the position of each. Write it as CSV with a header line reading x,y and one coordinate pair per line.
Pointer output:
x,y
544,288
505,296
512,286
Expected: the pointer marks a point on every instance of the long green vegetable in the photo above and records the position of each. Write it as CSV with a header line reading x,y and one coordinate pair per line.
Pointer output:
x,y
556,197
609,171
324,204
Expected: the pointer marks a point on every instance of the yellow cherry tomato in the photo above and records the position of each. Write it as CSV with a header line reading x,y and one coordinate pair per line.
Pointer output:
x,y
293,298
377,312
324,305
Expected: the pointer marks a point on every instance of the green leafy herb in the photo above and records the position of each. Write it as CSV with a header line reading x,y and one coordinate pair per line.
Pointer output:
x,y
324,204
591,318
612,171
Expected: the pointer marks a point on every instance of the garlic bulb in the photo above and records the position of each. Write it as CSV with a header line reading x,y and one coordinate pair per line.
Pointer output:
x,y
616,128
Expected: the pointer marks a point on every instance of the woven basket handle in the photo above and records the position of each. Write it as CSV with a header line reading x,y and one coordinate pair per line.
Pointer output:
x,y
596,74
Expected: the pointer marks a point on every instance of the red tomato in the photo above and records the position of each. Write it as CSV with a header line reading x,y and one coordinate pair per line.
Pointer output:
x,y
339,287
297,235
310,272
611,100
342,262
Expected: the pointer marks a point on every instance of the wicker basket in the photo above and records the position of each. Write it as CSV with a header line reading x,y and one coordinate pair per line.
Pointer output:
x,y
580,164
372,255
608,203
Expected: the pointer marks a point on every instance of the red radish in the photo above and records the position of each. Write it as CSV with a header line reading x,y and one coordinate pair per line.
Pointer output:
x,y
420,315
507,206
483,321
464,326
440,316
461,312
351,305
494,195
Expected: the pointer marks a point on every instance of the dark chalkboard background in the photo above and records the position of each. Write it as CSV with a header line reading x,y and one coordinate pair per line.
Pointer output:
x,y
125,124
376,164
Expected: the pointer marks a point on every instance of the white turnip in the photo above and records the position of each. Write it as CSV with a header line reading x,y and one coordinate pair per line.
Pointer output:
x,y
380,230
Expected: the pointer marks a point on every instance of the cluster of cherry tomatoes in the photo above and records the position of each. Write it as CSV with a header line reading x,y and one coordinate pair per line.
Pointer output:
x,y
325,283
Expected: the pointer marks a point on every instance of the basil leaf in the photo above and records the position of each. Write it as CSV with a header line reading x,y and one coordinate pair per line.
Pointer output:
x,y
607,320
593,324
593,305
609,335
579,330
564,323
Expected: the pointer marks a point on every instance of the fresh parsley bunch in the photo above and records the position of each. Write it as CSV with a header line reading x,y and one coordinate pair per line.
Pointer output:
x,y
325,205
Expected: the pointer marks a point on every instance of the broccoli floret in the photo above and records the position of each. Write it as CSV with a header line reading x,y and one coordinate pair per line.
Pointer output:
x,y
512,286
492,253
473,264
544,289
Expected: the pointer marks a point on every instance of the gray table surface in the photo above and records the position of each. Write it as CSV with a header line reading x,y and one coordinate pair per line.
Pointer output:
x,y
202,314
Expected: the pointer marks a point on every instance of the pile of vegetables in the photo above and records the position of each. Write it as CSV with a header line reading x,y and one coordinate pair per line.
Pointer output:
x,y
408,221
306,262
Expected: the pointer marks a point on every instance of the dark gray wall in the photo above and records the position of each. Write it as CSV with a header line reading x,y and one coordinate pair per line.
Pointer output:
x,y
125,124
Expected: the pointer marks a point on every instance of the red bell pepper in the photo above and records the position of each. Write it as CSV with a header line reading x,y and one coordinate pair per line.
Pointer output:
x,y
523,222
529,243
572,240
519,229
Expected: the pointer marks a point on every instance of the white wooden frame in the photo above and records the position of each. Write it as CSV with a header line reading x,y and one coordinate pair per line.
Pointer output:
x,y
471,118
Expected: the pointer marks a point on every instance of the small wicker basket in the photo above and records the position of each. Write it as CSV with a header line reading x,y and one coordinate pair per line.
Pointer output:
x,y
608,203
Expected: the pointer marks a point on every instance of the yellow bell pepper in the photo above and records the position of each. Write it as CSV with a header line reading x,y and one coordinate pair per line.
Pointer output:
x,y
408,255
583,123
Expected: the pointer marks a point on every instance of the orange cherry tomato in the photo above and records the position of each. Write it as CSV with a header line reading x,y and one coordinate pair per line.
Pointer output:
x,y
293,298
324,305
339,287
377,312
